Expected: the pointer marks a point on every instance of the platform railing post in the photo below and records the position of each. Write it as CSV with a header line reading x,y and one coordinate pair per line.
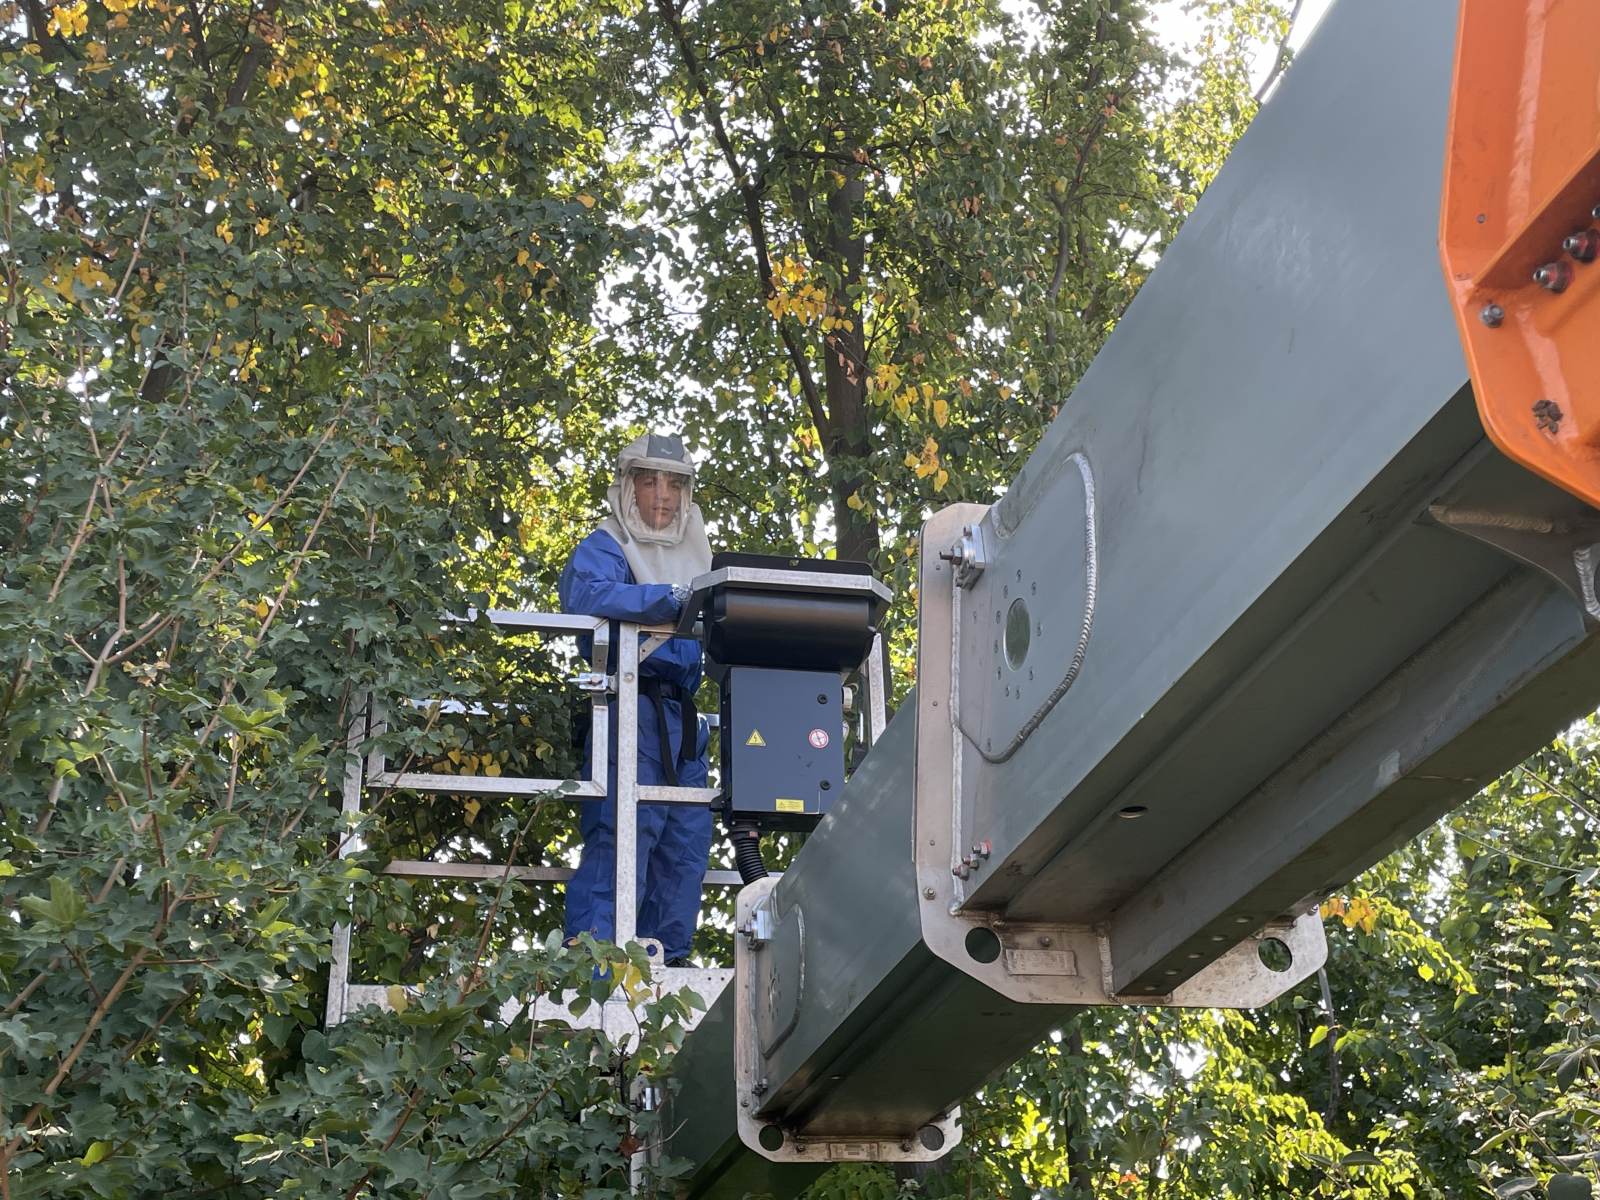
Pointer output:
x,y
627,903
339,964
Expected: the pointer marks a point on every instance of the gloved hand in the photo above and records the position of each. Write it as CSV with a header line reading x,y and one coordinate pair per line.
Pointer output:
x,y
681,593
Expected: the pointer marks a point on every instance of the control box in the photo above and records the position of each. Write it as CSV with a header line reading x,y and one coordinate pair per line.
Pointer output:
x,y
782,735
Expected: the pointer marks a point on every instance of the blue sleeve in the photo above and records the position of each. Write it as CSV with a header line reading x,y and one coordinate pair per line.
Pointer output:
x,y
598,583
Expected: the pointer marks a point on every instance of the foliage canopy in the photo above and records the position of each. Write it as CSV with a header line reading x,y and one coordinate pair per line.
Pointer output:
x,y
323,320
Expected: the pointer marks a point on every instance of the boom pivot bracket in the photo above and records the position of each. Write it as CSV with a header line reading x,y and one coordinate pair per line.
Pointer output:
x,y
1034,962
768,984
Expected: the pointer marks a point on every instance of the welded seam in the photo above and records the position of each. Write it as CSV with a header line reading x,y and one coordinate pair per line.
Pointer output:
x,y
1092,588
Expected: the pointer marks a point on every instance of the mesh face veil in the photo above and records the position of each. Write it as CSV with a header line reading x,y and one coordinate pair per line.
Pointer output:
x,y
679,551
634,520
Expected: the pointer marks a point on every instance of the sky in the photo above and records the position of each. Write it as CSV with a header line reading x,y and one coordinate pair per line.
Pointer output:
x,y
1179,27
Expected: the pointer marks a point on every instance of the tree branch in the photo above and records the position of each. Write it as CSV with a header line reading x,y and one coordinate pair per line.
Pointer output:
x,y
754,219
1280,61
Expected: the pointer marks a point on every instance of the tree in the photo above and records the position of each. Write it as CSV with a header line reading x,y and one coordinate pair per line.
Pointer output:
x,y
290,289
903,231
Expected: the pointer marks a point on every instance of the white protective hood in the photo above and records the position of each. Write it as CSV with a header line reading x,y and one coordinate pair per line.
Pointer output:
x,y
675,554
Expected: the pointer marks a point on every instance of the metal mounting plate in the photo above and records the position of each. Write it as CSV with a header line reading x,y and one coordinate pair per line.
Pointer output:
x,y
1035,962
769,985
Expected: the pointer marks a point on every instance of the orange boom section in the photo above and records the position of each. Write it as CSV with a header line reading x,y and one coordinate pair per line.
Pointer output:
x,y
1520,230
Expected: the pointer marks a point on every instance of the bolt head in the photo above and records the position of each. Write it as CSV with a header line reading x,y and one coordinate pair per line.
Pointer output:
x,y
1492,315
928,893
1553,277
1583,245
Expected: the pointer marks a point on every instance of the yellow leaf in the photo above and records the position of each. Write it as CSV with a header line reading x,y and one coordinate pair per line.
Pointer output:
x,y
941,412
855,501
940,480
492,769
522,257
262,226
585,200
232,302
472,808
69,20
396,996
262,609
1005,393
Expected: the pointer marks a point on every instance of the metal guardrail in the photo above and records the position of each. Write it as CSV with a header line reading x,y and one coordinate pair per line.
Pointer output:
x,y
636,643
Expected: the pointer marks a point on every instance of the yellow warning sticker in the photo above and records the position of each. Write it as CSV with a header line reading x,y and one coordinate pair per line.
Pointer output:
x,y
798,806
755,739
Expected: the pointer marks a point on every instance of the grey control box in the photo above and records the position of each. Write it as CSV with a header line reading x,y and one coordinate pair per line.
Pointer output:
x,y
782,745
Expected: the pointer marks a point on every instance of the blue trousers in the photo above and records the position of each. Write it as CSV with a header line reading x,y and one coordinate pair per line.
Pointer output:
x,y
674,844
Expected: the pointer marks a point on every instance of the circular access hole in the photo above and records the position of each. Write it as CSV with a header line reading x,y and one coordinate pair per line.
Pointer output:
x,y
770,1137
1274,955
1132,812
982,945
1018,633
931,1137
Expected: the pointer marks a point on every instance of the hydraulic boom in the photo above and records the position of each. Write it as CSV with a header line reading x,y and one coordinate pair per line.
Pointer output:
x,y
1264,603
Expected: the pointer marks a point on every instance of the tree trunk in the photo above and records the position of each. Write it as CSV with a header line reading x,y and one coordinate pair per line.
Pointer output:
x,y
846,439
1079,1173
1332,1112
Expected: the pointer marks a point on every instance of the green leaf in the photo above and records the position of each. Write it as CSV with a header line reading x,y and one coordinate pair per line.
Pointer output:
x,y
1568,1187
1495,1142
99,1150
1567,1071
64,909
269,912
1515,1187
1317,1036
1361,1158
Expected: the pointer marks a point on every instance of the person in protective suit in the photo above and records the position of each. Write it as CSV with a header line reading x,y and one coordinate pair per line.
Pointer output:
x,y
636,567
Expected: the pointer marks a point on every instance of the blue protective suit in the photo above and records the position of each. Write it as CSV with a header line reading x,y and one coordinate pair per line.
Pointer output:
x,y
674,840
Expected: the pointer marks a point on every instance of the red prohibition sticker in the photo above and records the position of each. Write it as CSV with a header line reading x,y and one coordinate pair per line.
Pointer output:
x,y
819,738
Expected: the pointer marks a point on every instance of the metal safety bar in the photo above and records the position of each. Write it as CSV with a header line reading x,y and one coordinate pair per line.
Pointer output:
x,y
636,643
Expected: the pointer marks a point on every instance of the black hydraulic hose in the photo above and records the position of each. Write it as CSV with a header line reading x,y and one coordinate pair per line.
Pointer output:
x,y
747,852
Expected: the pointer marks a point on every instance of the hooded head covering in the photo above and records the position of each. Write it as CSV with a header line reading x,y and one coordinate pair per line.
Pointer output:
x,y
677,553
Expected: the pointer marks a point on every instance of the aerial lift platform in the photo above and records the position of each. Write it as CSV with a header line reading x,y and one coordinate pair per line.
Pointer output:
x,y
1277,589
